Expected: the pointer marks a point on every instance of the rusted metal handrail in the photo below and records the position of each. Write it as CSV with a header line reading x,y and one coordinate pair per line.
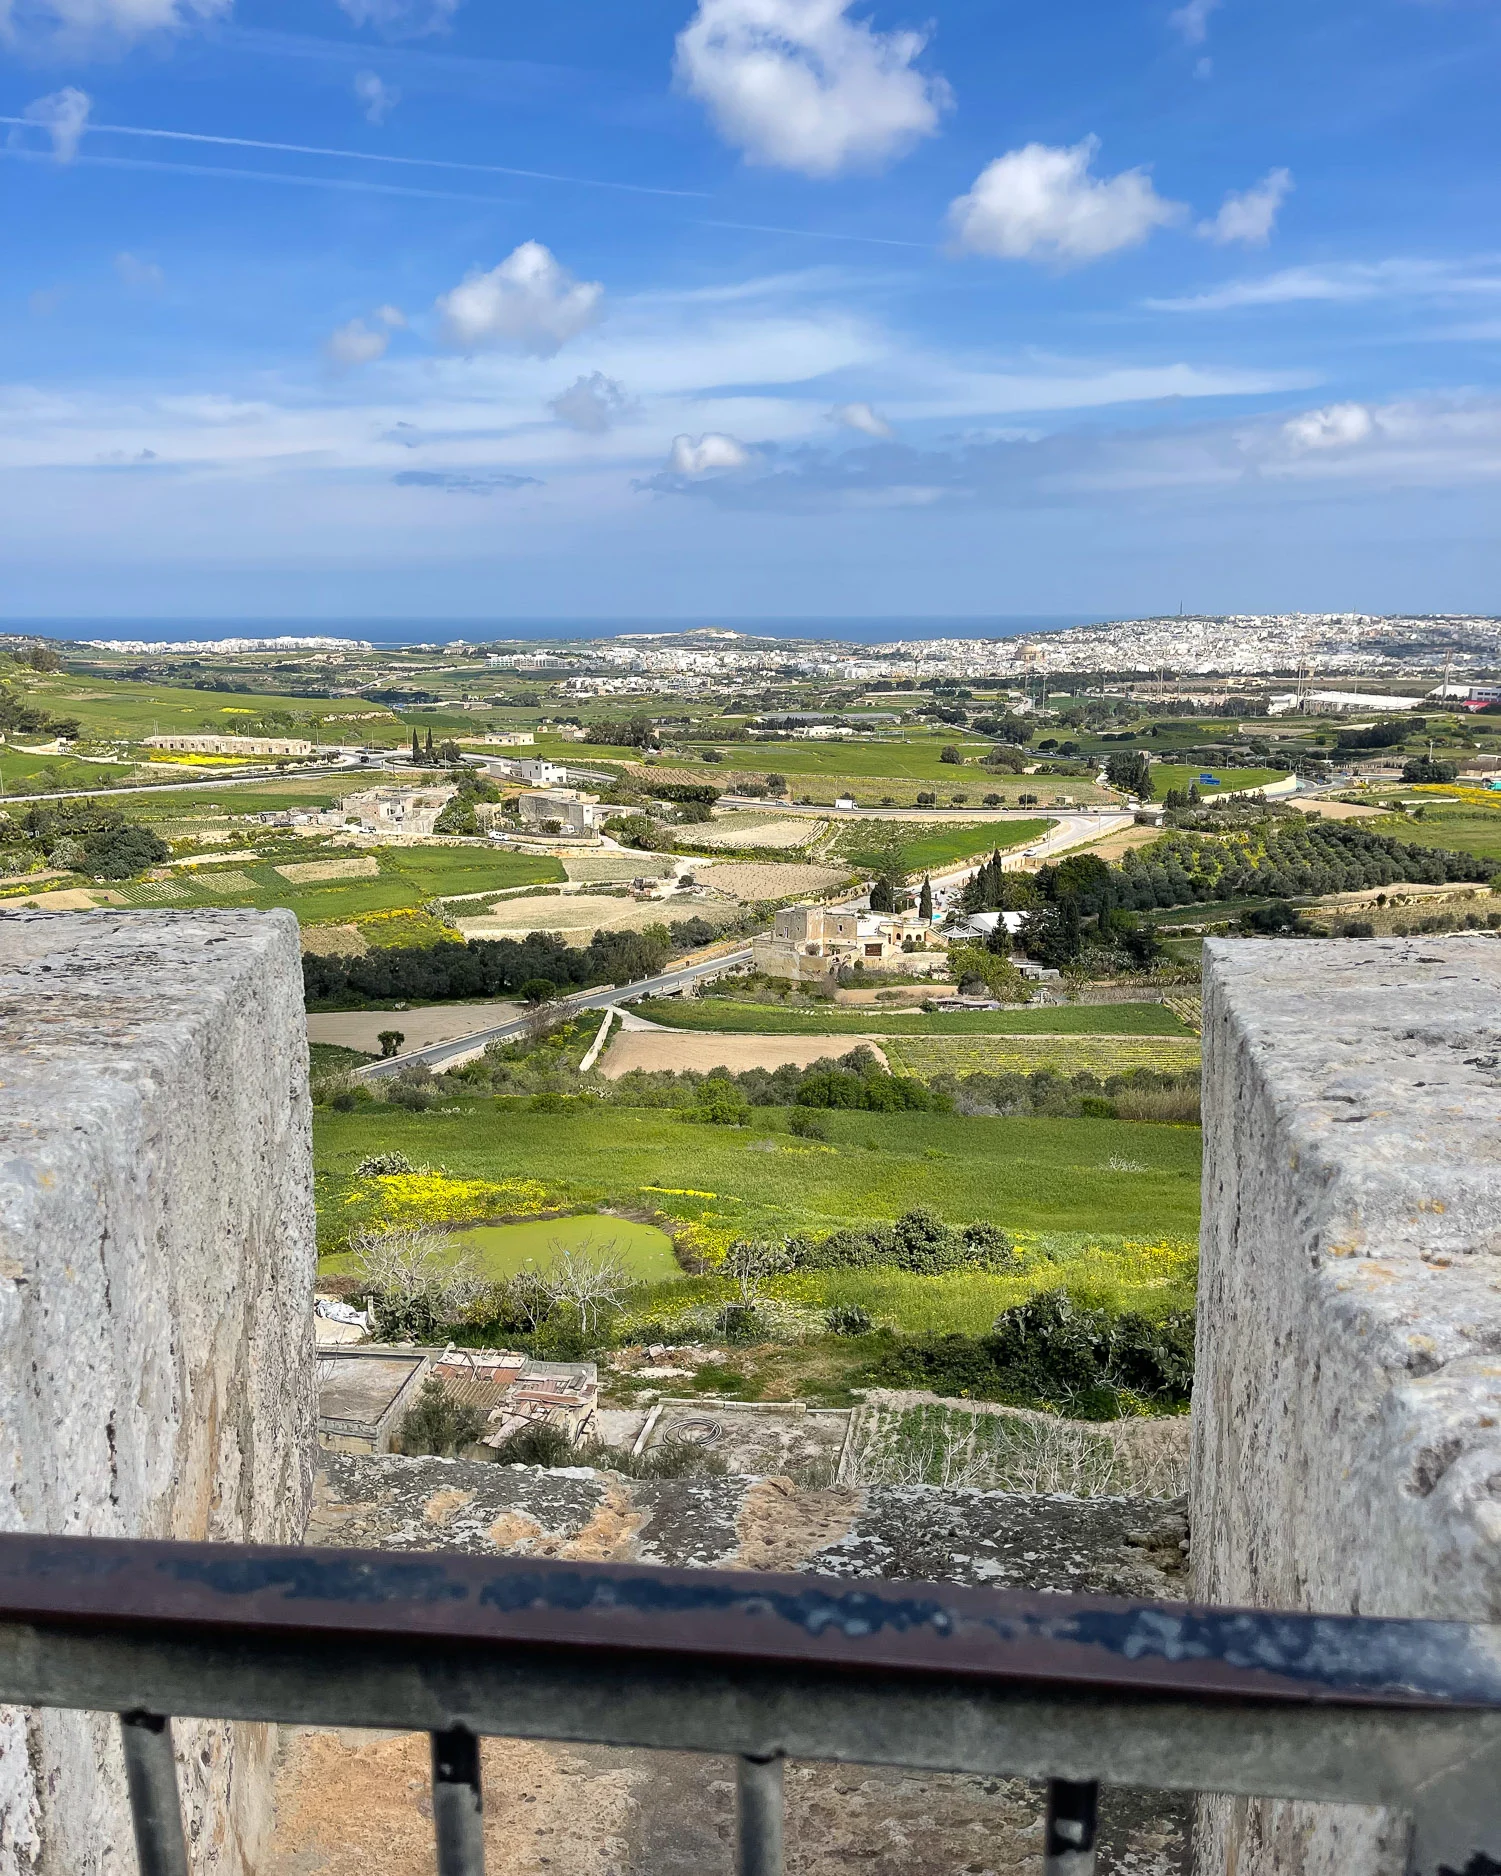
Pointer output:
x,y
1075,1690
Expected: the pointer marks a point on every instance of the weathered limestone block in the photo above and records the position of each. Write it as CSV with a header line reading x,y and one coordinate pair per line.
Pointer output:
x,y
156,1264
1347,1401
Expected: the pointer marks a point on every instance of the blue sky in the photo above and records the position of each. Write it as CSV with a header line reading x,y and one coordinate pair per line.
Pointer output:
x,y
718,308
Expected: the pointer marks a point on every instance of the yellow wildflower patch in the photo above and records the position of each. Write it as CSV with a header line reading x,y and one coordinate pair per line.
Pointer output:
x,y
420,1198
680,1192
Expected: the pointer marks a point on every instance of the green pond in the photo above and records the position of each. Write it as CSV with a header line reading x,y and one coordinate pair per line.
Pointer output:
x,y
502,1250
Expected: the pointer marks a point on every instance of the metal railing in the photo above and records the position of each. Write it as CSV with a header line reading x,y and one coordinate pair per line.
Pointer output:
x,y
1079,1691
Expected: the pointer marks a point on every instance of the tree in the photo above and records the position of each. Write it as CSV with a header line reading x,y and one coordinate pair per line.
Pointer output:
x,y
439,1425
1131,772
927,799
416,752
1429,769
949,753
776,784
415,1284
588,1279
427,754
752,1262
390,1041
539,990
1012,761
978,963
925,901
882,896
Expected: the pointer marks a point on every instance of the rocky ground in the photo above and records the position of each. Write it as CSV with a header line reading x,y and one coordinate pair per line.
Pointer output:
x,y
357,1804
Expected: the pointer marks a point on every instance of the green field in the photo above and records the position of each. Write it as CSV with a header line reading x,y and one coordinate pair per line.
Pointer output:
x,y
501,1250
25,772
1166,775
724,1017
1462,830
927,849
914,757
1101,1056
407,878
108,708
1124,1178
191,807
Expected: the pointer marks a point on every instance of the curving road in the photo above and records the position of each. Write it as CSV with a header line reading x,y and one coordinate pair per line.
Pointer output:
x,y
451,1054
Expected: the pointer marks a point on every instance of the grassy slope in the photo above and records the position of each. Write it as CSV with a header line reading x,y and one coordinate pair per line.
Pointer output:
x,y
502,1250
723,1016
935,847
1040,1175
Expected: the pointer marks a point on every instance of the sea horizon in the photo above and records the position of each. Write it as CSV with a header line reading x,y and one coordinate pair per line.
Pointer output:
x,y
393,634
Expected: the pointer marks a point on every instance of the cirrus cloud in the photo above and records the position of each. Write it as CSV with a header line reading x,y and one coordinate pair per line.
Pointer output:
x,y
1042,203
530,303
798,84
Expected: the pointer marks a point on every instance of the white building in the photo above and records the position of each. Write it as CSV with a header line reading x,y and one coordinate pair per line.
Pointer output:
x,y
397,810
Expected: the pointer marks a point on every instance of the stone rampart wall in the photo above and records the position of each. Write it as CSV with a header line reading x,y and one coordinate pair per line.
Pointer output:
x,y
1347,1402
156,1264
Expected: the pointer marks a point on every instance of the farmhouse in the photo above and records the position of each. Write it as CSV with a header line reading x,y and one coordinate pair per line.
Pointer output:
x,y
815,941
232,745
397,810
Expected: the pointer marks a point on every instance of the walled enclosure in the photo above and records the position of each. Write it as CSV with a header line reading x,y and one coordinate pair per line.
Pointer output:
x,y
156,1264
1347,1400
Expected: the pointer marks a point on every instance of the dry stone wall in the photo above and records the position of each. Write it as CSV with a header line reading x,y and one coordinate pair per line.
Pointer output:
x,y
1347,1400
156,1264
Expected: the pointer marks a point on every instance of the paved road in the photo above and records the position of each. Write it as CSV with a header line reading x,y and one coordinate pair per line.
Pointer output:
x,y
450,1054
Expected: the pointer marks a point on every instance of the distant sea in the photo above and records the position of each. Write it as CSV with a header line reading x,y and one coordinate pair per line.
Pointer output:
x,y
397,632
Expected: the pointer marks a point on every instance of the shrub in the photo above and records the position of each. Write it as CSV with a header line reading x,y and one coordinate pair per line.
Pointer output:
x,y
438,1424
383,1165
847,1319
739,1322
807,1124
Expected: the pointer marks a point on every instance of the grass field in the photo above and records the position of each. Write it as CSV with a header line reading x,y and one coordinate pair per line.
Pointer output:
x,y
110,708
406,879
914,758
184,808
722,1016
928,849
1023,1055
23,772
1125,1178
1166,775
502,1250
1474,830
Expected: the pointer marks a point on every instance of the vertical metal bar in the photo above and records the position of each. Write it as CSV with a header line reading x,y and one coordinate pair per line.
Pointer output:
x,y
1073,1815
151,1779
458,1803
759,1791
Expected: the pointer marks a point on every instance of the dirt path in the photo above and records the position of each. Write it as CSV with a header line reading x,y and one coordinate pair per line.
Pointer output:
x,y
678,1049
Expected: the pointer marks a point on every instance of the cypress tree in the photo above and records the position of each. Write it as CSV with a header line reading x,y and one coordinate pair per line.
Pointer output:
x,y
428,755
925,902
416,752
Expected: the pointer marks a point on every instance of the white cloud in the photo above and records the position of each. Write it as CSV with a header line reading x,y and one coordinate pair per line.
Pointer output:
x,y
1192,20
355,344
1361,280
63,115
378,98
1041,203
1250,216
797,84
711,451
529,302
144,276
1337,426
591,404
402,19
861,417
79,20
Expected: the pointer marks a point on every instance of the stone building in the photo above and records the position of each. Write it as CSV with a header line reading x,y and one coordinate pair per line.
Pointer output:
x,y
814,941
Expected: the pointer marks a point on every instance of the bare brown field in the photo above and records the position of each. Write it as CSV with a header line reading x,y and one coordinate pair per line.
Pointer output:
x,y
363,866
751,879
